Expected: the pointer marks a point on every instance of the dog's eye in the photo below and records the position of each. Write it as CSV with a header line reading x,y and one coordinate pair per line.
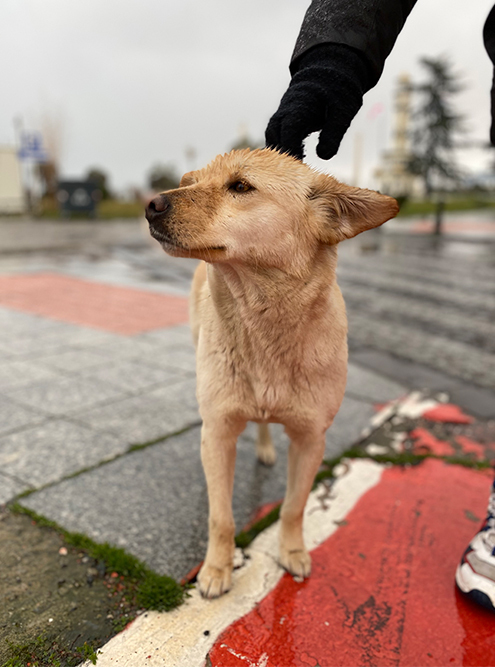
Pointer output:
x,y
240,186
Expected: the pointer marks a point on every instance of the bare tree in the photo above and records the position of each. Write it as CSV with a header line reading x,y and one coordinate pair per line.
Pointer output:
x,y
53,137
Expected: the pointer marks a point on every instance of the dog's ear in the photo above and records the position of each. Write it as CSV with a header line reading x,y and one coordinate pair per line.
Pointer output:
x,y
187,179
346,211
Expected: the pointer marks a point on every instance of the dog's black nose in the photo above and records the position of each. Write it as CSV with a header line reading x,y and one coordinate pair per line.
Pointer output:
x,y
158,208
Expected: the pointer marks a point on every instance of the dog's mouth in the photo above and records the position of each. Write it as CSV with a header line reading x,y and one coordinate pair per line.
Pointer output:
x,y
163,238
172,245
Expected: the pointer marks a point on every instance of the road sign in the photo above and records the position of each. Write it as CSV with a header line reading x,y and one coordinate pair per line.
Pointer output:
x,y
32,147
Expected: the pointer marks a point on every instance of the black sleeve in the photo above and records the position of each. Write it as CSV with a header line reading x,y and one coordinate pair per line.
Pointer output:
x,y
489,39
368,26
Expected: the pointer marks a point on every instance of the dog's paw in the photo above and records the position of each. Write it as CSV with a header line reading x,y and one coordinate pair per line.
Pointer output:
x,y
296,561
214,581
266,455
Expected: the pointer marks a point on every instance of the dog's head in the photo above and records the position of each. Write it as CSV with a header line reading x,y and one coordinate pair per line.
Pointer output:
x,y
261,207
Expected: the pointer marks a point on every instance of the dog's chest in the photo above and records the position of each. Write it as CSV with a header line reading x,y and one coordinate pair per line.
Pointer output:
x,y
277,384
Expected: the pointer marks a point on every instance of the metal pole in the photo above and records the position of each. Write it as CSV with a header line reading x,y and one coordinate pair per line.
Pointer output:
x,y
439,217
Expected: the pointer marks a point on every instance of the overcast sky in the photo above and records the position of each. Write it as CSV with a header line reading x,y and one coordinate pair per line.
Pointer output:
x,y
130,83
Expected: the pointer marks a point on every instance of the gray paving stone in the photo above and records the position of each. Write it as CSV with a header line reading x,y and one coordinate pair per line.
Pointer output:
x,y
475,400
25,324
5,356
151,415
54,340
53,450
152,353
10,487
14,416
66,395
73,360
178,358
133,376
170,336
75,335
153,502
436,351
125,347
14,374
369,386
8,317
346,429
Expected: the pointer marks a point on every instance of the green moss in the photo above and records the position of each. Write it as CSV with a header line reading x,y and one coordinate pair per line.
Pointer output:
x,y
245,537
43,652
152,590
133,448
137,447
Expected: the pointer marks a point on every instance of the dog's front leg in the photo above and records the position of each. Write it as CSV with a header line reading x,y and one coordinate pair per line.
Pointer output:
x,y
218,452
304,459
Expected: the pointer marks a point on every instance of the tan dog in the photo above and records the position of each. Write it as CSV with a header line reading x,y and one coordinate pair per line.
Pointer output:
x,y
268,321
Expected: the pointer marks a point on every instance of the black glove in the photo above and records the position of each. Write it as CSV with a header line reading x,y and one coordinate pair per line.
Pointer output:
x,y
325,93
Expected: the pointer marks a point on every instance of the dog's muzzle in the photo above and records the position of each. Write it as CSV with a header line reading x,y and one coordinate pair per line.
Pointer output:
x,y
158,209
156,213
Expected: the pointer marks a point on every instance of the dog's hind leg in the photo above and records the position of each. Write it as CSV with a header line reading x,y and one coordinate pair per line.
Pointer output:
x,y
304,459
218,452
265,451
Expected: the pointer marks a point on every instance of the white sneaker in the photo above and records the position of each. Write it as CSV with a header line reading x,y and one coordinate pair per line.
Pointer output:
x,y
475,574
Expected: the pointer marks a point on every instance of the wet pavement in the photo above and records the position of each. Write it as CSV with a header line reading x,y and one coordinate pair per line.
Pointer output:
x,y
385,538
381,591
94,372
425,300
100,425
101,422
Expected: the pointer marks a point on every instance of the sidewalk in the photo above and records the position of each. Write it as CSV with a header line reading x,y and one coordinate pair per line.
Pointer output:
x,y
385,542
92,375
466,225
100,428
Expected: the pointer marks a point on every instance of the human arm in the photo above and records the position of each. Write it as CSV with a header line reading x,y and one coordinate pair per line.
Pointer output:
x,y
339,55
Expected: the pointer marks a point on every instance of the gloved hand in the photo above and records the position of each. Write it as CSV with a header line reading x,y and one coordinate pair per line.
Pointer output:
x,y
325,93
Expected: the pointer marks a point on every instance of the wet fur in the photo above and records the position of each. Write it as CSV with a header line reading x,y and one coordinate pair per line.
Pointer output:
x,y
268,321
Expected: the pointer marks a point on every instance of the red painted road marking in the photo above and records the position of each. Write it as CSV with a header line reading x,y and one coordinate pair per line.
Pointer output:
x,y
455,226
471,447
121,310
448,412
426,443
382,590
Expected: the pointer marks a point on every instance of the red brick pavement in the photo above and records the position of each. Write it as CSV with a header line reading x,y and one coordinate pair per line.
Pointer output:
x,y
120,310
474,227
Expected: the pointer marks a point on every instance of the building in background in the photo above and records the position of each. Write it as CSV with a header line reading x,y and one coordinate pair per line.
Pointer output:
x,y
12,198
393,175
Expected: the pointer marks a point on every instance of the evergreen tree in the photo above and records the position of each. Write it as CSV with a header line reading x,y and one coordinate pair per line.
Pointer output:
x,y
435,125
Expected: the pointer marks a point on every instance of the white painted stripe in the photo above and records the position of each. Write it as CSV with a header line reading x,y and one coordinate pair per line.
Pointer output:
x,y
415,405
177,639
